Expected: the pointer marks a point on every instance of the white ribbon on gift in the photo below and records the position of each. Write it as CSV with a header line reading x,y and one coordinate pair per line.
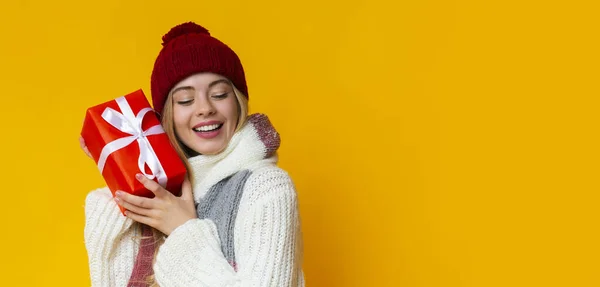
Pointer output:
x,y
131,124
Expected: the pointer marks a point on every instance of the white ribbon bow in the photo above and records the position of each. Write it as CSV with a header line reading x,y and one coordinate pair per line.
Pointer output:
x,y
131,124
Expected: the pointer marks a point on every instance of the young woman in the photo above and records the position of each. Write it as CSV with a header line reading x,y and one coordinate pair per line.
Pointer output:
x,y
236,222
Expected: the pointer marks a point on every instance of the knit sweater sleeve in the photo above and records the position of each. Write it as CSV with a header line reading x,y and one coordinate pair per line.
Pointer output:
x,y
267,244
104,227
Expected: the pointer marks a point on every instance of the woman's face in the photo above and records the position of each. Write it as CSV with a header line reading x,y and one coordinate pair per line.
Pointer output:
x,y
205,112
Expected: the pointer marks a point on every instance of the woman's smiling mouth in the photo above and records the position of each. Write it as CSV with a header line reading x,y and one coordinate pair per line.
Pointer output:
x,y
208,130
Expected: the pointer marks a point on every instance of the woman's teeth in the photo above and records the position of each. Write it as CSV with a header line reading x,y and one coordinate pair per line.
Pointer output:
x,y
207,128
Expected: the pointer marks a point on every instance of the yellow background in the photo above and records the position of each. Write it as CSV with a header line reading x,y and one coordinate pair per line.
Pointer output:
x,y
433,143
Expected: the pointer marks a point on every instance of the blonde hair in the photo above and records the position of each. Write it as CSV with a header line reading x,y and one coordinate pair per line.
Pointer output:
x,y
184,152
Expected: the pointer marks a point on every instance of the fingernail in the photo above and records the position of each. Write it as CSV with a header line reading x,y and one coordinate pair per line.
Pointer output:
x,y
139,176
118,193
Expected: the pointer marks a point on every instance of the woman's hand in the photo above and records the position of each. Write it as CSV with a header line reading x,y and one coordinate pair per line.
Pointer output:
x,y
84,147
165,211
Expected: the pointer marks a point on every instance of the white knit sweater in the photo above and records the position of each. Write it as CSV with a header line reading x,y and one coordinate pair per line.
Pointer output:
x,y
267,236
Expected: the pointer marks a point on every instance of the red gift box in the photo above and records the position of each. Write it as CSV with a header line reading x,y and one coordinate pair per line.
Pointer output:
x,y
124,137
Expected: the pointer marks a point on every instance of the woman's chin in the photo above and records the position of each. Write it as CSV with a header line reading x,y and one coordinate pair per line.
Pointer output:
x,y
209,150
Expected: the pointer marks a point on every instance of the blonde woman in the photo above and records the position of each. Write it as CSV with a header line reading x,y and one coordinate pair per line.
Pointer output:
x,y
236,222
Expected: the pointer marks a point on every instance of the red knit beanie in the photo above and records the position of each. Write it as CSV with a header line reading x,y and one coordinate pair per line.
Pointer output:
x,y
188,49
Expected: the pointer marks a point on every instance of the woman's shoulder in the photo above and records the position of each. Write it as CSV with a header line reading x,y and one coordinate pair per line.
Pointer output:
x,y
102,214
99,200
98,194
269,173
268,182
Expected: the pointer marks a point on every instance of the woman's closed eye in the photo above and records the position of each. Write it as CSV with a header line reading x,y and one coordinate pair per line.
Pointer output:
x,y
185,102
221,95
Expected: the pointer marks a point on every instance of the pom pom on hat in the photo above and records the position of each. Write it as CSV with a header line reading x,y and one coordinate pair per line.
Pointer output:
x,y
182,29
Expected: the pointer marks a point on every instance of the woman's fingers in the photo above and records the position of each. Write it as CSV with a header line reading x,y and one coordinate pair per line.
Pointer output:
x,y
165,211
134,208
141,218
84,147
138,201
152,186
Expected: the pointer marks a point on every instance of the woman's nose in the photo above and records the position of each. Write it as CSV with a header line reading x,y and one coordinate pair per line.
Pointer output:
x,y
204,108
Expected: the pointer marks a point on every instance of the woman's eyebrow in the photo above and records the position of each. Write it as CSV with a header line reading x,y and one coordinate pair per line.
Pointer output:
x,y
182,88
218,82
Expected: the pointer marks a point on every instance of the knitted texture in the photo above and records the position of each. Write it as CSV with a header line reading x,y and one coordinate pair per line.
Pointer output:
x,y
221,205
268,135
267,238
107,235
188,49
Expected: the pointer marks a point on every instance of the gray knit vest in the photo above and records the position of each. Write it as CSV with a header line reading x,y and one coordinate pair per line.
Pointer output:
x,y
221,205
